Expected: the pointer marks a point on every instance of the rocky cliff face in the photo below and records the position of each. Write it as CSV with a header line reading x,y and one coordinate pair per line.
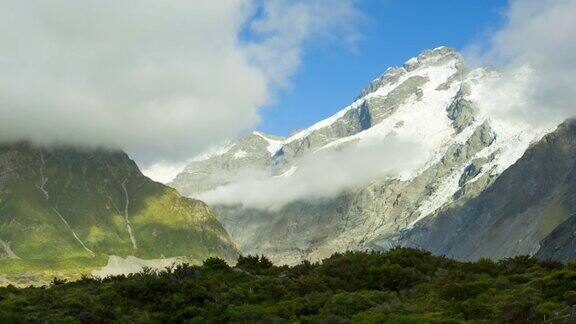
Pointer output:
x,y
67,204
561,243
530,202
431,100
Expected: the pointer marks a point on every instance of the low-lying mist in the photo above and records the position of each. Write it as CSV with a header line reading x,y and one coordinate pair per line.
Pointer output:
x,y
320,175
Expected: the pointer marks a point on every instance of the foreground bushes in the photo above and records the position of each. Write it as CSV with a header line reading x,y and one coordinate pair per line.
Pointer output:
x,y
398,286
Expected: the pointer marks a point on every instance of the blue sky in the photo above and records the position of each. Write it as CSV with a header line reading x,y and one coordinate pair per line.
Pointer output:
x,y
391,31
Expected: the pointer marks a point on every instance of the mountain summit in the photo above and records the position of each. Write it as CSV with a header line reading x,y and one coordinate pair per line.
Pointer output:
x,y
431,101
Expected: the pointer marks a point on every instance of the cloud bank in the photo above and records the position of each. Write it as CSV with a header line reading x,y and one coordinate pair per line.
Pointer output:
x,y
160,79
320,175
535,52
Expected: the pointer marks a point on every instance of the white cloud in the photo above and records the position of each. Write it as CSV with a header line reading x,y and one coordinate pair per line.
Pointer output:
x,y
164,172
324,174
287,24
160,79
146,76
535,52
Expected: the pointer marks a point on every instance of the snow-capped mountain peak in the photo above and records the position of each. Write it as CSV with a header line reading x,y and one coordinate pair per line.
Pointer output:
x,y
329,177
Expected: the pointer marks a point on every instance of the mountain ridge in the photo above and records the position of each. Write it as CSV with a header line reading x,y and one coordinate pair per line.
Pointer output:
x,y
432,100
62,204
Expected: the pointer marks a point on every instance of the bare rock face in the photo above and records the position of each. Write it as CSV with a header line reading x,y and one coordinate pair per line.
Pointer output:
x,y
430,100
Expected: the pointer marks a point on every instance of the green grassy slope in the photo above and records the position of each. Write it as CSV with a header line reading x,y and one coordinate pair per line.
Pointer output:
x,y
65,204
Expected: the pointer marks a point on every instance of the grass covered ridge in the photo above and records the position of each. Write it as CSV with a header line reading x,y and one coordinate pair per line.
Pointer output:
x,y
67,210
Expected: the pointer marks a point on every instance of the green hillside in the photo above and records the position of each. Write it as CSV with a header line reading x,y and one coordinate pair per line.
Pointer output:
x,y
68,209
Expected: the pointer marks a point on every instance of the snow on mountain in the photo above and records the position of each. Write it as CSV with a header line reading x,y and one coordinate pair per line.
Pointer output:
x,y
274,145
431,100
421,116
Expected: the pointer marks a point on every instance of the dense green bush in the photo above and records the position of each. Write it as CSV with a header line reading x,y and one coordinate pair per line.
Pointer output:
x,y
398,286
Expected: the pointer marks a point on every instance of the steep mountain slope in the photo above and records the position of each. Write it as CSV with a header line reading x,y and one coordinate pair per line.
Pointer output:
x,y
561,243
69,204
430,100
522,208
